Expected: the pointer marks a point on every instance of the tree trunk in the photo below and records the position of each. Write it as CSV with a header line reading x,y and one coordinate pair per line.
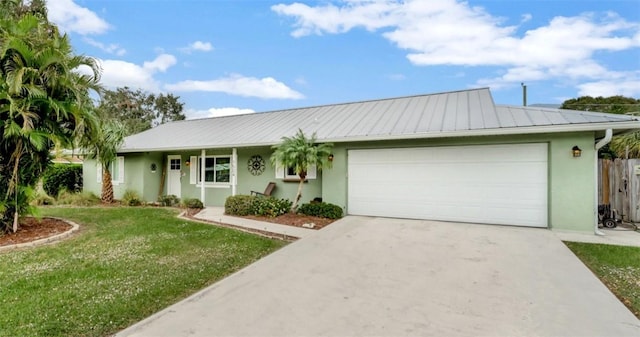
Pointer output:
x,y
107,187
294,206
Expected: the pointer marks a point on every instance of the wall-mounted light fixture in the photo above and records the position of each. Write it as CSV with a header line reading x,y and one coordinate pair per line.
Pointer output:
x,y
576,151
187,163
331,157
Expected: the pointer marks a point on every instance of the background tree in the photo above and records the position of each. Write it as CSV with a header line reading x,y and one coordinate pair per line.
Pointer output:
x,y
617,105
300,153
43,99
138,110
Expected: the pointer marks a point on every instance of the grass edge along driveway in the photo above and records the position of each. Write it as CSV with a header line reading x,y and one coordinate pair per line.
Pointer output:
x,y
618,267
123,265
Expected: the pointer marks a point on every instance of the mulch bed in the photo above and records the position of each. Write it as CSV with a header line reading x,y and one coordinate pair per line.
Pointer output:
x,y
296,220
32,229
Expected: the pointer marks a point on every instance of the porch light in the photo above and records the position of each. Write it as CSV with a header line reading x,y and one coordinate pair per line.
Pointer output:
x,y
577,152
331,157
187,163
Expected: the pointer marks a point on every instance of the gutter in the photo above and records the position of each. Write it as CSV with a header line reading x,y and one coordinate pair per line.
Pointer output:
x,y
604,141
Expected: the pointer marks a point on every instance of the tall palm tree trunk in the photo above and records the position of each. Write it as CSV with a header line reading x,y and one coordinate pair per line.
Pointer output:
x,y
107,187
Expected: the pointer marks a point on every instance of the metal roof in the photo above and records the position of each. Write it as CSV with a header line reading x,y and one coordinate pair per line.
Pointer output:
x,y
450,114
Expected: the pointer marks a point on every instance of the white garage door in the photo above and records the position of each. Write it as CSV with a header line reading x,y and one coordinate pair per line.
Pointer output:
x,y
493,184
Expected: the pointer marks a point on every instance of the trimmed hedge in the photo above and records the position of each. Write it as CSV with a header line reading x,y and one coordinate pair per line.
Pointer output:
x,y
168,200
193,203
60,177
256,205
321,209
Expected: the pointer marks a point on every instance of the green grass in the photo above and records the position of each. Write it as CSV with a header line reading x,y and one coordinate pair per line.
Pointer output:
x,y
617,266
124,265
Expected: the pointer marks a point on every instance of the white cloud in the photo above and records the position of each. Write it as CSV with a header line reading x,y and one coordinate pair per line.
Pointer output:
x,y
216,112
118,73
160,63
432,34
111,48
197,46
396,77
73,18
240,85
629,87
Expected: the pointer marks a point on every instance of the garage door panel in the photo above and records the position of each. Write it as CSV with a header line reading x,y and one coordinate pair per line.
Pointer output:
x,y
502,184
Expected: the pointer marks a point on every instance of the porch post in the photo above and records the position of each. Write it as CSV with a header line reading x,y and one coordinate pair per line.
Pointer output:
x,y
202,172
234,171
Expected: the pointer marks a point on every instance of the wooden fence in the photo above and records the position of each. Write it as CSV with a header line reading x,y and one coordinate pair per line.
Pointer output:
x,y
619,187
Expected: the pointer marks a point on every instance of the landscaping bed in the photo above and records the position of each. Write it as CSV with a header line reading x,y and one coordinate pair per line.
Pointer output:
x,y
32,229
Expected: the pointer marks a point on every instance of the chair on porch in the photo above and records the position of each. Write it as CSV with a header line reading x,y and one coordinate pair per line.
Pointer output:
x,y
267,191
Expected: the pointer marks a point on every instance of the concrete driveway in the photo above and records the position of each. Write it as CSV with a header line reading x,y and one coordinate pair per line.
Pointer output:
x,y
389,277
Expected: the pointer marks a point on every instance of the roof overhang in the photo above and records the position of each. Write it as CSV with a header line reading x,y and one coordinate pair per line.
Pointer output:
x,y
599,129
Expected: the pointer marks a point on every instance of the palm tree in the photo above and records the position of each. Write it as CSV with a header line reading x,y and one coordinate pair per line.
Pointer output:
x,y
43,99
301,153
103,145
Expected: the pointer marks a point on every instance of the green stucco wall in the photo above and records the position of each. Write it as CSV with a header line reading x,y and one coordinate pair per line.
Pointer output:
x,y
570,194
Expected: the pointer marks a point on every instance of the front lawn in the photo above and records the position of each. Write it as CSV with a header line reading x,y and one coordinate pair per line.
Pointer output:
x,y
123,265
617,266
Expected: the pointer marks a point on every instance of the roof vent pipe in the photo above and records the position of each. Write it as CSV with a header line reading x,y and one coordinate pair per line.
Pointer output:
x,y
524,94
604,141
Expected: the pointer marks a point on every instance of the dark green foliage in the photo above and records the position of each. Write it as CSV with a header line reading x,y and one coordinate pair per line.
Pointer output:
x,y
269,206
613,104
321,209
131,198
256,205
169,200
193,203
238,205
138,110
62,176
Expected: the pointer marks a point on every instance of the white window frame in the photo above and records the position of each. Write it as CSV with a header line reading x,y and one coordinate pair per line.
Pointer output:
x,y
194,172
283,173
117,171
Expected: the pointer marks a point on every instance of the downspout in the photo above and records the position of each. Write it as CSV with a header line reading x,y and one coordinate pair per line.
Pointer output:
x,y
604,141
202,173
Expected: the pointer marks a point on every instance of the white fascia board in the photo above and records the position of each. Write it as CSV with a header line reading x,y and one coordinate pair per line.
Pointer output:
x,y
626,126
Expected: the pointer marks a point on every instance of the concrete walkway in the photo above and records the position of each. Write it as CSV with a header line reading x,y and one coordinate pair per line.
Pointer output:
x,y
216,214
618,236
366,276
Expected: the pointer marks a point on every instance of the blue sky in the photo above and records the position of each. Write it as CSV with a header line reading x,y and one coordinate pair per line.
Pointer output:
x,y
240,56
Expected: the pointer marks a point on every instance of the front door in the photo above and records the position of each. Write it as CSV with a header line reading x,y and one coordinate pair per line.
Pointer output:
x,y
174,173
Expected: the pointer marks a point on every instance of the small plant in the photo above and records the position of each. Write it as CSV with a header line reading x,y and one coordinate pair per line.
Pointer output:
x,y
78,199
271,207
321,209
238,205
42,199
193,203
131,198
169,200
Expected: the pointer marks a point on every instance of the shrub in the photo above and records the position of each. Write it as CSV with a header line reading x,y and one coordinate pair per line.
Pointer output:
x,y
42,198
253,205
60,177
78,199
193,203
131,198
321,209
238,205
270,206
169,200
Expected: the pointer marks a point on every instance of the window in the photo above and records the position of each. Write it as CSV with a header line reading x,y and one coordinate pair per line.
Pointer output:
x,y
289,174
216,169
117,171
174,164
